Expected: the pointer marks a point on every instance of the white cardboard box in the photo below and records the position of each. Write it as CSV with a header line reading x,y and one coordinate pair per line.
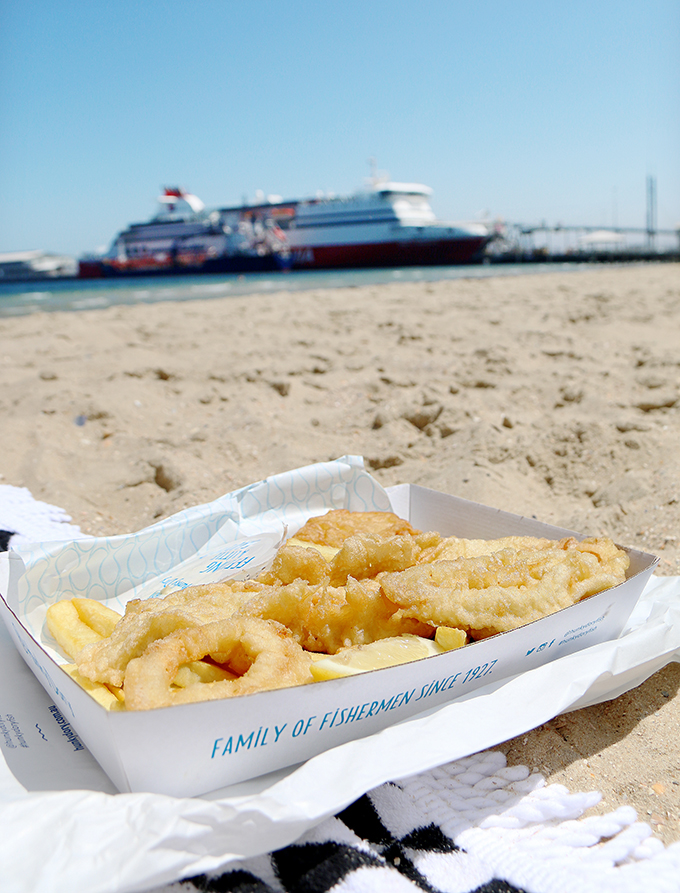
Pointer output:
x,y
192,749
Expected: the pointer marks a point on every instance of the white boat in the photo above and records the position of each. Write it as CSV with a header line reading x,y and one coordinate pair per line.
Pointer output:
x,y
386,224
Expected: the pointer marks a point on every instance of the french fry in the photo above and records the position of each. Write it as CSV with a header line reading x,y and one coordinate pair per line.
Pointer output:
x,y
118,693
101,693
96,615
70,632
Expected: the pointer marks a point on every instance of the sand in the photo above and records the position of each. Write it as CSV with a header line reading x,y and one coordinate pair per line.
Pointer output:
x,y
555,395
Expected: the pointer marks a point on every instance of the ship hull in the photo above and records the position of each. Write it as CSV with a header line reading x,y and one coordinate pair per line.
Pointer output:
x,y
107,269
433,252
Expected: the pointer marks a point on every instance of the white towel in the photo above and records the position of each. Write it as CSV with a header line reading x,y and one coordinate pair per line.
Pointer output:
x,y
25,519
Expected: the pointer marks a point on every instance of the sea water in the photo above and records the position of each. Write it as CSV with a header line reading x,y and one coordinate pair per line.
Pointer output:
x,y
21,298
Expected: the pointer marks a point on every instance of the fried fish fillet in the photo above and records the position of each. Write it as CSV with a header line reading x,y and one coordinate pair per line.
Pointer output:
x,y
333,528
326,618
504,590
361,556
452,547
365,556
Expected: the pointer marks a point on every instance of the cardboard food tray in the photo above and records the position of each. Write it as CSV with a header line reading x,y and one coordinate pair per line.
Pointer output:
x,y
192,749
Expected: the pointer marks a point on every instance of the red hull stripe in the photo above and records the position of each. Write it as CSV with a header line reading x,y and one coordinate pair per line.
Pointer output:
x,y
391,254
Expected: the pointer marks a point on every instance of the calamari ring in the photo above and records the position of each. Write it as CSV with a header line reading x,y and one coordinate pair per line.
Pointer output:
x,y
265,649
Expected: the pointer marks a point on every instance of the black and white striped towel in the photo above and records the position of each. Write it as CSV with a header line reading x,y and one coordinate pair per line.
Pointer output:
x,y
473,825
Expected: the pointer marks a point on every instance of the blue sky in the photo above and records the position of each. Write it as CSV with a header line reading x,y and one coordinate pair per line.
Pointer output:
x,y
529,110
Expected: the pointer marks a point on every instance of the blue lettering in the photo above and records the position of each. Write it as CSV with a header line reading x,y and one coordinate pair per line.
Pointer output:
x,y
352,715
297,728
244,742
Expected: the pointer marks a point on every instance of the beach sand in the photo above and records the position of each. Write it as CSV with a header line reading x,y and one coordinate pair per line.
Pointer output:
x,y
555,395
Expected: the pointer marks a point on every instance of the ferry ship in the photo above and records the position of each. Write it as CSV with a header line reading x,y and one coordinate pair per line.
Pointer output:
x,y
386,225
184,238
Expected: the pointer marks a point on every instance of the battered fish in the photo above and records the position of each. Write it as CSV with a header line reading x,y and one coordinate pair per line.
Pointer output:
x,y
506,589
326,618
452,547
361,556
333,528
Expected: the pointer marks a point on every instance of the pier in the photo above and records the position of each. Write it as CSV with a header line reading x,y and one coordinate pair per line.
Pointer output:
x,y
534,243
521,243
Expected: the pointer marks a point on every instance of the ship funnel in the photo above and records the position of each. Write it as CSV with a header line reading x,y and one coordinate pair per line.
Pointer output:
x,y
172,196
